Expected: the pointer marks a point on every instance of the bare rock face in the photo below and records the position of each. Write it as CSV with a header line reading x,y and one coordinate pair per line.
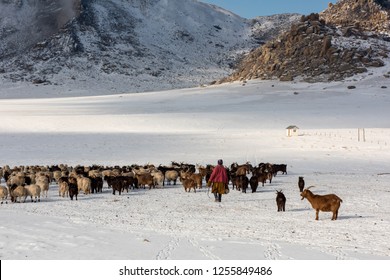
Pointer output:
x,y
367,15
327,47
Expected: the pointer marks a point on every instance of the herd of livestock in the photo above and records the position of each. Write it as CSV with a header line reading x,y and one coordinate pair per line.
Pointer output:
x,y
34,181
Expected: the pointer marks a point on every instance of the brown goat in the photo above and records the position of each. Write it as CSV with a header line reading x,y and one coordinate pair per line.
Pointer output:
x,y
188,184
325,203
145,179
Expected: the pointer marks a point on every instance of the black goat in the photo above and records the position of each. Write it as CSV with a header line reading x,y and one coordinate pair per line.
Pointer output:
x,y
301,184
280,201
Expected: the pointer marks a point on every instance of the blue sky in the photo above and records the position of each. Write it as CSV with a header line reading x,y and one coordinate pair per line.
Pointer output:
x,y
253,8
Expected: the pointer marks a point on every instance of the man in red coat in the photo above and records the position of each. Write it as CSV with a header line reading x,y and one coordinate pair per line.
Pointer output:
x,y
220,181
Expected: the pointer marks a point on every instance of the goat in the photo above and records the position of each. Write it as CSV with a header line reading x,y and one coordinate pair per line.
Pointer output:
x,y
145,179
279,167
73,190
301,184
196,177
242,183
280,201
254,183
325,203
188,184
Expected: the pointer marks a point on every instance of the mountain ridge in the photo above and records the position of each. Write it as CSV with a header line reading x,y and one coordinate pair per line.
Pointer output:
x,y
132,46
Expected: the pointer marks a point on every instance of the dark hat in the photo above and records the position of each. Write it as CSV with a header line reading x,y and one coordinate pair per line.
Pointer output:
x,y
220,161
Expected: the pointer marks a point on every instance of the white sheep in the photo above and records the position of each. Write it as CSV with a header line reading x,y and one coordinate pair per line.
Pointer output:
x,y
16,179
158,177
84,184
171,175
33,191
18,192
57,175
94,174
43,182
3,194
63,189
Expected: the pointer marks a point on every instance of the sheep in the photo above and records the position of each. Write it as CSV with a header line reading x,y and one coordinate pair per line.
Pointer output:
x,y
84,184
57,175
17,192
158,177
280,201
34,191
43,182
16,179
3,194
325,203
63,188
171,175
301,184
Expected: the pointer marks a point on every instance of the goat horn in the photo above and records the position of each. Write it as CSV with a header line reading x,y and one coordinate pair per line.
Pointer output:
x,y
310,187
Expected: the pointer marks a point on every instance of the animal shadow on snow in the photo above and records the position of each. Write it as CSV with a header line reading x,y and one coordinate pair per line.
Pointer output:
x,y
340,217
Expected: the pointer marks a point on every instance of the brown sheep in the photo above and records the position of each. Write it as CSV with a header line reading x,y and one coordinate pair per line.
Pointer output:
x,y
325,203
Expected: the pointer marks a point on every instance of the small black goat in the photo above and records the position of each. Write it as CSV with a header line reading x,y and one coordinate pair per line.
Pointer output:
x,y
280,201
73,190
301,184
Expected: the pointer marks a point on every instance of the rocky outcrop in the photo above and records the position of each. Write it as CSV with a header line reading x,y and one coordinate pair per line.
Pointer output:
x,y
314,51
366,15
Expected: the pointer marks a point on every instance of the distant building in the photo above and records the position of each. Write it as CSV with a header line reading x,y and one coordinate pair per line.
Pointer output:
x,y
292,130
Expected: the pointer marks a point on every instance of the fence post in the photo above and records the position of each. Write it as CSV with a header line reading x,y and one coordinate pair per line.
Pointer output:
x,y
362,132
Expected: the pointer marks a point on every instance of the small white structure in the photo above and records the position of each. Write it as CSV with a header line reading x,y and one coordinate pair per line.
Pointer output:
x,y
292,130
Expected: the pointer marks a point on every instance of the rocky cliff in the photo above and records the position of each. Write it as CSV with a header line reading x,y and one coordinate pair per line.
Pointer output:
x,y
320,48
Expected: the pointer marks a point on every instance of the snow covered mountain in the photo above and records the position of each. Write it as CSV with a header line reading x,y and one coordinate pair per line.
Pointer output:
x,y
124,45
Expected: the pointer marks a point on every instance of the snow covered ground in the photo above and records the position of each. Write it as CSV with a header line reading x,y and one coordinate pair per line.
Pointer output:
x,y
237,122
